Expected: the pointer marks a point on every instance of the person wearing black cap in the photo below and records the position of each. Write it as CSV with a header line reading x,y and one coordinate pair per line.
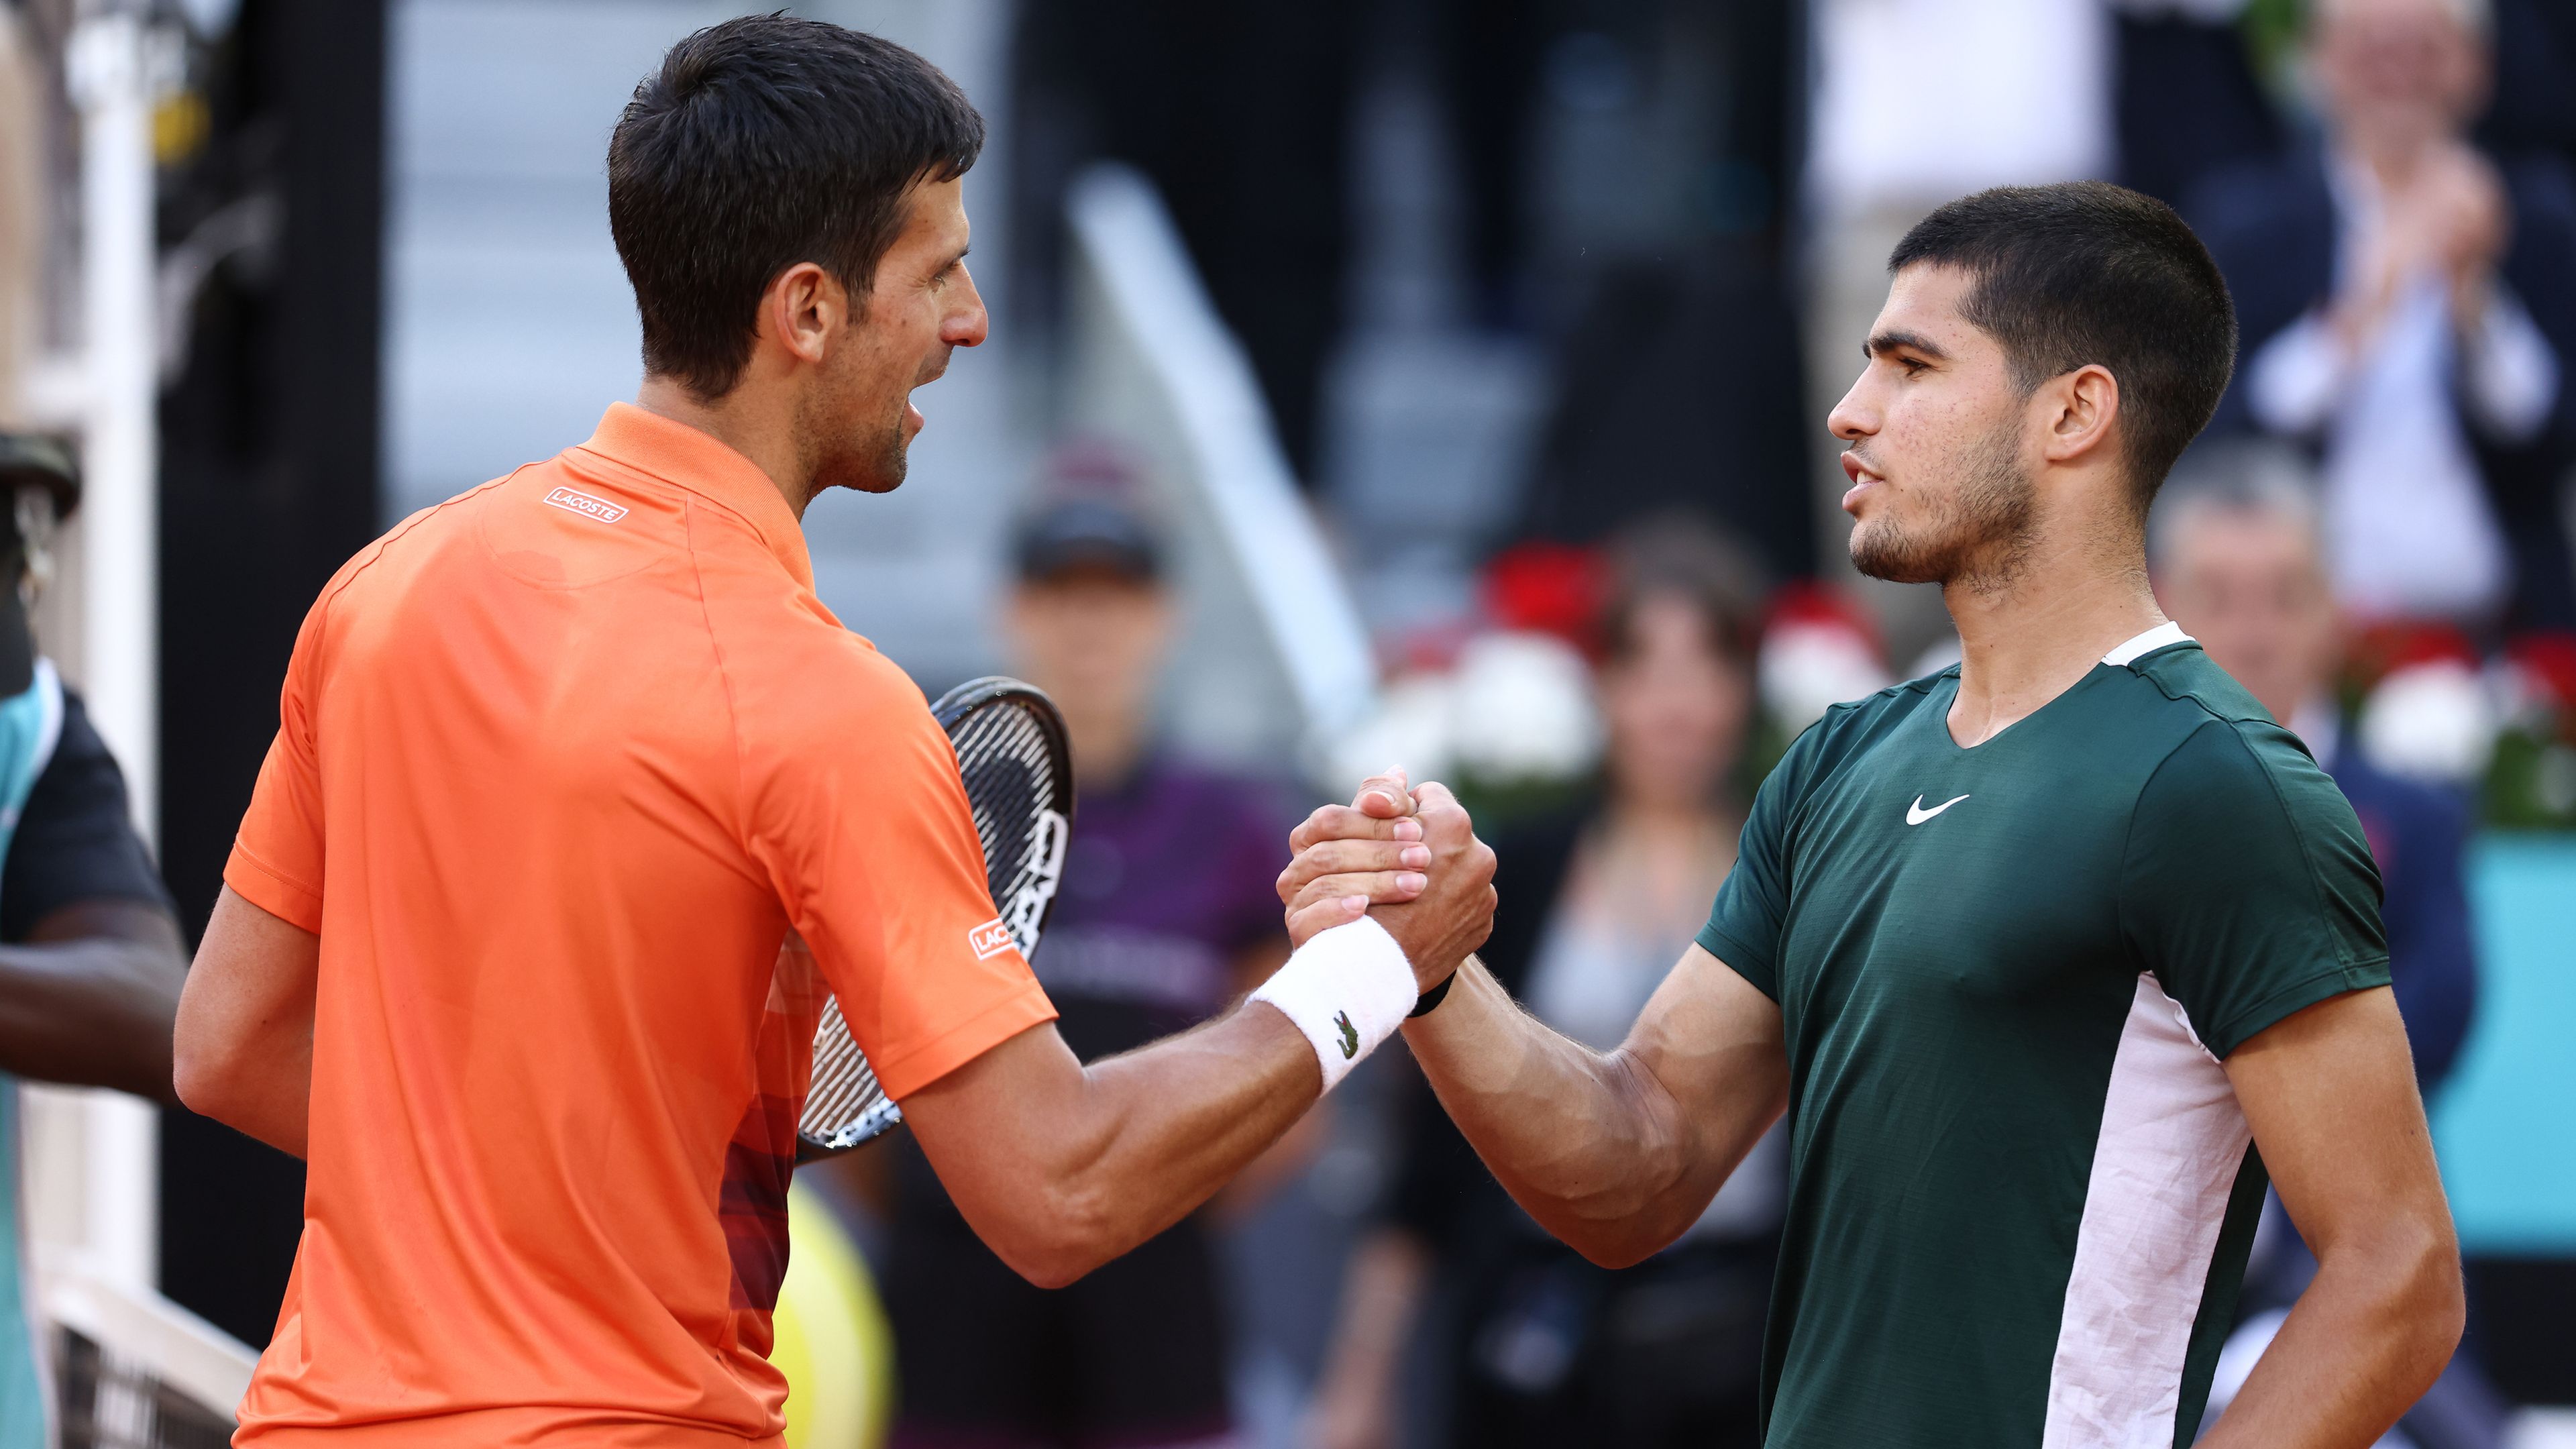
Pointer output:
x,y
1167,912
90,966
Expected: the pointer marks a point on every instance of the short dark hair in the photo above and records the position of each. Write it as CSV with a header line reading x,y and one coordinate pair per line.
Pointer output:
x,y
2087,272
761,143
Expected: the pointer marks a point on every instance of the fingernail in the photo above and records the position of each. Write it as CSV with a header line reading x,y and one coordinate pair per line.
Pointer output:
x,y
1410,881
1408,829
1355,904
1415,855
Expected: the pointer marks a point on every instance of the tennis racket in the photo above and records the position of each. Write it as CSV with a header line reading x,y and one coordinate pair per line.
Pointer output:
x,y
1018,769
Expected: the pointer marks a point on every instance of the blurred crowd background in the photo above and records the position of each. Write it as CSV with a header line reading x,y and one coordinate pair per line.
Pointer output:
x,y
1416,381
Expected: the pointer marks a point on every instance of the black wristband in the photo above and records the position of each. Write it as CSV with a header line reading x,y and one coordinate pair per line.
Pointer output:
x,y
1422,1004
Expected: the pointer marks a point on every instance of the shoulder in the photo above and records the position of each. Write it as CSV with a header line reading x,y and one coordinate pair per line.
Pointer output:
x,y
75,839
1848,729
413,535
2204,737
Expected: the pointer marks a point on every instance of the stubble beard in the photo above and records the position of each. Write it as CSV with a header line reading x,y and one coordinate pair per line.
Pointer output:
x,y
1979,536
870,459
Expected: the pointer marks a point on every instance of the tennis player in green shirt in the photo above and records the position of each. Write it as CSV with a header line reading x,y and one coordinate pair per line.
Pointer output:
x,y
2052,959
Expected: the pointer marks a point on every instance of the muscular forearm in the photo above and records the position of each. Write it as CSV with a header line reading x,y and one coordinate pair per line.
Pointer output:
x,y
1089,1162
2331,1096
2362,1345
94,1012
1591,1145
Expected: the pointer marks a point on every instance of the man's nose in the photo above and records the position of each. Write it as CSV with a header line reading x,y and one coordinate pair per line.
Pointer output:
x,y
1851,420
968,325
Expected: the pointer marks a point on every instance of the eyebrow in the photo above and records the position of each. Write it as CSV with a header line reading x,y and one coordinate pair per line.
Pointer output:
x,y
1886,342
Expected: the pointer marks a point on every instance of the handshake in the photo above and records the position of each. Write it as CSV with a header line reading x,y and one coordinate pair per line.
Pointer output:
x,y
1405,854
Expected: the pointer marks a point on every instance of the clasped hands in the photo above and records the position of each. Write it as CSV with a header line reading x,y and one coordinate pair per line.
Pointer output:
x,y
1405,854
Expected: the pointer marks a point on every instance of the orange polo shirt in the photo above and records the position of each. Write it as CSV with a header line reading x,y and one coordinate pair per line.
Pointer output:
x,y
561,764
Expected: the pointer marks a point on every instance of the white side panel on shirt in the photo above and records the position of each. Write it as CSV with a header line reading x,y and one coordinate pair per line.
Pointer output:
x,y
2172,1142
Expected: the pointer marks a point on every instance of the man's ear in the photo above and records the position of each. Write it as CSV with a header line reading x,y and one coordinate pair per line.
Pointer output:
x,y
2082,411
802,311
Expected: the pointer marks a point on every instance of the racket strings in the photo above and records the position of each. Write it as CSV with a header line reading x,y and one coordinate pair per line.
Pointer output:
x,y
1012,765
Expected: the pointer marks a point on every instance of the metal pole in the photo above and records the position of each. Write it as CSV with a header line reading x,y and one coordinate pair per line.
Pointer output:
x,y
120,601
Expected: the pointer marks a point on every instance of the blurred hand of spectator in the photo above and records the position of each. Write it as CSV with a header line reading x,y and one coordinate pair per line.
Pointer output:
x,y
2449,217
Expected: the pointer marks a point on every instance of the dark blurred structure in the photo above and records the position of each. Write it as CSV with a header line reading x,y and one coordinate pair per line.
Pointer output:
x,y
269,459
1679,387
2186,102
1240,114
1677,359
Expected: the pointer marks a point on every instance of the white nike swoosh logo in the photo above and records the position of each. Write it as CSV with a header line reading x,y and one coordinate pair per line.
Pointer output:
x,y
1915,814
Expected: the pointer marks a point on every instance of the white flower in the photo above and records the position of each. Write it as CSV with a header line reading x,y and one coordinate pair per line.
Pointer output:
x,y
2432,721
1522,710
1410,727
1806,667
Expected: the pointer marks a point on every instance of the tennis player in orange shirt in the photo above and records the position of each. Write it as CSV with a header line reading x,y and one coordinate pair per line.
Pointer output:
x,y
562,761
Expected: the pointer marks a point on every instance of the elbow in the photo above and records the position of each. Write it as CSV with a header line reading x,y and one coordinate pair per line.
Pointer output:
x,y
1618,1244
1070,1234
2423,1306
204,1075
2440,1300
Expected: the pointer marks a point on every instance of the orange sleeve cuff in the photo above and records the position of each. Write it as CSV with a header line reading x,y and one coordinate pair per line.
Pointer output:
x,y
1025,1006
290,900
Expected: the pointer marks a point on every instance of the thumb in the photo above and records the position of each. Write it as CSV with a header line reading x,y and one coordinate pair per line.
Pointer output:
x,y
1386,795
1307,922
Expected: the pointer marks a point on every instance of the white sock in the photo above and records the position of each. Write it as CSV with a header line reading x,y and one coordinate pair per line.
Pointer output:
x,y
1347,989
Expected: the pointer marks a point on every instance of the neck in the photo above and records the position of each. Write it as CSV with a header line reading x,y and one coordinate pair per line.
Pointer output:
x,y
2024,644
755,422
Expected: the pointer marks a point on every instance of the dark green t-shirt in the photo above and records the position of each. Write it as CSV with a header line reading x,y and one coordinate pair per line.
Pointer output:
x,y
2021,1188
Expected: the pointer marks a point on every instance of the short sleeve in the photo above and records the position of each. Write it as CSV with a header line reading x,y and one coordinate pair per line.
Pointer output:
x,y
75,839
1752,907
276,862
2246,884
863,823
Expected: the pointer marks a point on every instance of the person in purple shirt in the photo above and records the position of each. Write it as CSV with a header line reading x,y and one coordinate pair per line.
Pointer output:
x,y
1167,911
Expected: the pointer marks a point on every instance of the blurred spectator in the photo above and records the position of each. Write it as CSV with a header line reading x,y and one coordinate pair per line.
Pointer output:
x,y
2408,308
1532,1344
90,964
1167,911
2240,567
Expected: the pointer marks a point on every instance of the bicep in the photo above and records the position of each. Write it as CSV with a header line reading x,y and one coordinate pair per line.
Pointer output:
x,y
1716,1044
254,972
2330,1094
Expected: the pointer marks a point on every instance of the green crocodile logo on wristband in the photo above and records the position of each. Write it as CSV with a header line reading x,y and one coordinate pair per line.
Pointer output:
x,y
1350,1035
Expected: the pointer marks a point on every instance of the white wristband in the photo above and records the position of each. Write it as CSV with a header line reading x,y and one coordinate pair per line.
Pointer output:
x,y
1347,989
